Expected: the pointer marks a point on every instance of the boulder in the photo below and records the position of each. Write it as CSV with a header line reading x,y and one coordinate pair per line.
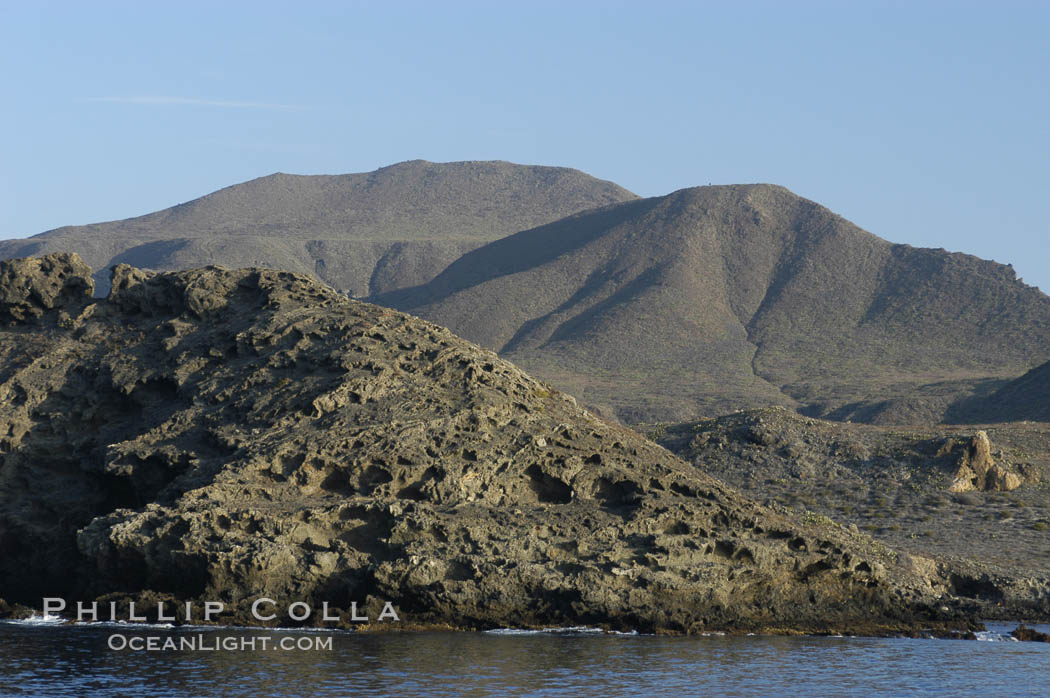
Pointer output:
x,y
978,471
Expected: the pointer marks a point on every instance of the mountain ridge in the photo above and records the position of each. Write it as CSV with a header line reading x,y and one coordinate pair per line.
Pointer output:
x,y
364,232
702,301
768,288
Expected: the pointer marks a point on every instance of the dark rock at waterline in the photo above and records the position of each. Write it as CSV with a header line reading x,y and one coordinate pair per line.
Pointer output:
x,y
1026,634
940,634
15,611
226,435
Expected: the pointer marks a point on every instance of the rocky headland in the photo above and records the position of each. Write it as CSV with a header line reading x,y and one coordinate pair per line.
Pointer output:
x,y
226,435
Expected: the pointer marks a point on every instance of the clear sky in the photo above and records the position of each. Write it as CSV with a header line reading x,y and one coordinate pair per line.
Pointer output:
x,y
923,122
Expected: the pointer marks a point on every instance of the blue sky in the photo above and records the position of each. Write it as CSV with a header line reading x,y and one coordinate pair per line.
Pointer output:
x,y
923,122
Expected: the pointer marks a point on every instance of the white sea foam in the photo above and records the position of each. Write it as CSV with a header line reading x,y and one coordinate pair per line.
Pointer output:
x,y
994,636
336,631
999,631
125,625
572,630
38,620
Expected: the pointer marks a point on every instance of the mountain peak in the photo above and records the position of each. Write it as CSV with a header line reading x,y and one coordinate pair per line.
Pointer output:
x,y
714,298
366,233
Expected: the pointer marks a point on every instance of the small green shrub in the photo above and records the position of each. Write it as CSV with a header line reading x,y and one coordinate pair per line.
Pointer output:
x,y
884,553
812,518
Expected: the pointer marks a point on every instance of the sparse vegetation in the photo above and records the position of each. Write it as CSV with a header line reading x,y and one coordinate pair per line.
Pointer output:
x,y
812,518
902,499
885,554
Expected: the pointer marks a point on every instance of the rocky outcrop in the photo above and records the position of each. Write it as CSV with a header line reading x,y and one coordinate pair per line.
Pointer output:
x,y
31,287
1025,634
224,435
978,471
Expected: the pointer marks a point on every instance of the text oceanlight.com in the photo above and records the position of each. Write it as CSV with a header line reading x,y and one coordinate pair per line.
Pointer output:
x,y
201,642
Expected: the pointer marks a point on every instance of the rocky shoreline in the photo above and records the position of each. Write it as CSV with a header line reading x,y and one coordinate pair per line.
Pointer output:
x,y
225,436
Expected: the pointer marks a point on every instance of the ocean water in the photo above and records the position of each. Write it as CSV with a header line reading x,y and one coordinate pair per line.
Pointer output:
x,y
47,659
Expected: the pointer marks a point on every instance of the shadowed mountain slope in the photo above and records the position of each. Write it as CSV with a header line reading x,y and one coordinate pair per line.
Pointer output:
x,y
366,233
716,298
1025,399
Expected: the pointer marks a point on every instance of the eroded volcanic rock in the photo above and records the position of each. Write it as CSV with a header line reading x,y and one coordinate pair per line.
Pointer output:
x,y
978,471
224,435
34,286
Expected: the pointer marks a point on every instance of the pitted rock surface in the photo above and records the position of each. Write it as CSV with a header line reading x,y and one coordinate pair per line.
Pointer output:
x,y
31,287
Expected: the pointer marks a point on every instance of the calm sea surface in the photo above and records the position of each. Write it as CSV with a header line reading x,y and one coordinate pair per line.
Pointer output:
x,y
63,660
